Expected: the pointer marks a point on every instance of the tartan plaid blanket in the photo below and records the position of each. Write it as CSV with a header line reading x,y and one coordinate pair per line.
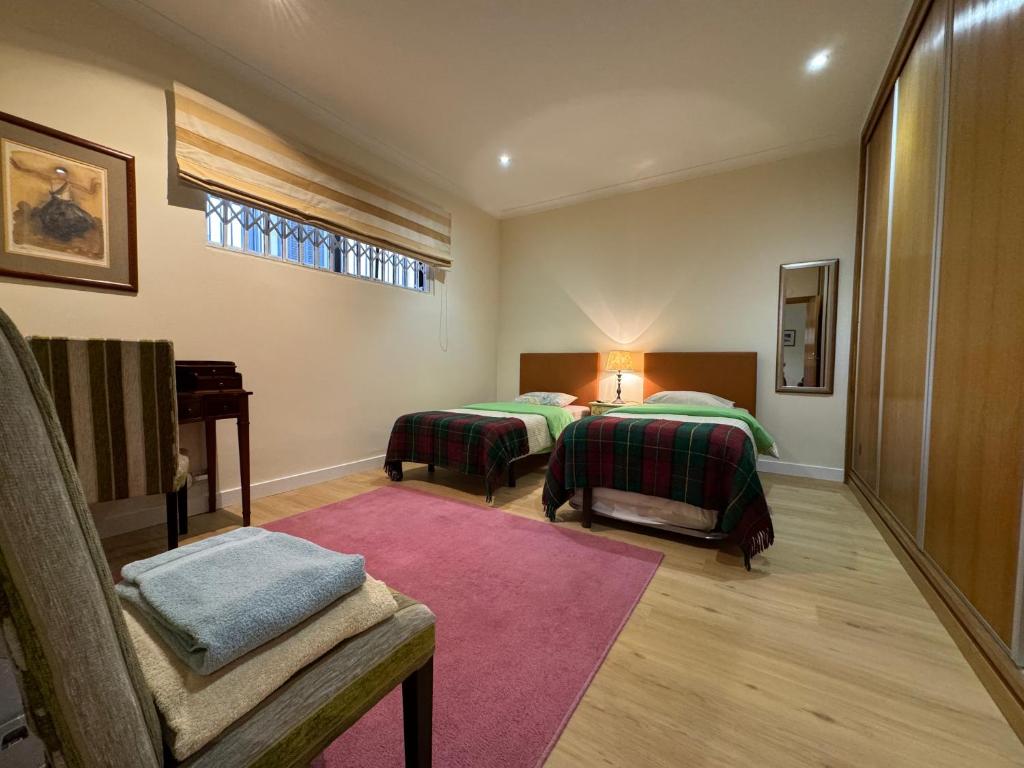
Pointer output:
x,y
712,466
474,445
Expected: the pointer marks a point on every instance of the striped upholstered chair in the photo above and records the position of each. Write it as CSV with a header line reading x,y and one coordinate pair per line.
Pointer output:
x,y
78,672
116,402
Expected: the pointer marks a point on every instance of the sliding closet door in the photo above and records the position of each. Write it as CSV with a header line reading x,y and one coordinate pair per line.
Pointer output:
x,y
872,282
919,123
977,418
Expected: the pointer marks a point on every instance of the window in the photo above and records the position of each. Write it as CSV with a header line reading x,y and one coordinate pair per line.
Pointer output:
x,y
239,227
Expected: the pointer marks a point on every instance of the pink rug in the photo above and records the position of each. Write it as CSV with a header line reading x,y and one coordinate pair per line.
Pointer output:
x,y
526,612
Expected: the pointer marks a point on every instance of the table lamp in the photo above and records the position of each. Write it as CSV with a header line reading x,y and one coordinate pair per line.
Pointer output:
x,y
619,360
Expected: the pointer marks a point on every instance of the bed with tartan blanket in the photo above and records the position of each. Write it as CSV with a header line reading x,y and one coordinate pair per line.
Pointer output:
x,y
704,463
482,439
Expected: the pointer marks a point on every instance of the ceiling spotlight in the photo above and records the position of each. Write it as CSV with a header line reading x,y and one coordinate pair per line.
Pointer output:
x,y
818,61
504,160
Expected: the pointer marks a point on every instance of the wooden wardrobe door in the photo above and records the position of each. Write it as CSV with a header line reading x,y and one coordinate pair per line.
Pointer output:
x,y
977,420
872,282
918,138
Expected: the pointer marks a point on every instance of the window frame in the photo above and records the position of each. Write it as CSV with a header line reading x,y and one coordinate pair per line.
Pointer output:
x,y
243,228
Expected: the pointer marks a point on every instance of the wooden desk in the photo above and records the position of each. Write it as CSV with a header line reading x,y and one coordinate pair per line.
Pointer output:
x,y
209,406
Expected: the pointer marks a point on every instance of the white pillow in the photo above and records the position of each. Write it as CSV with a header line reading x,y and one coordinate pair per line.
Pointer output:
x,y
689,398
561,399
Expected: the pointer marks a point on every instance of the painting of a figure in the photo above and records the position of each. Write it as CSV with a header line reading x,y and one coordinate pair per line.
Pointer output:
x,y
54,207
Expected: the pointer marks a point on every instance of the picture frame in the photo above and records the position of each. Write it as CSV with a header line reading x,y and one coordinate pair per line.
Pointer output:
x,y
789,338
67,209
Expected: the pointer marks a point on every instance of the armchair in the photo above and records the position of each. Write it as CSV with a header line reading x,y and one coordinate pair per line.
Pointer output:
x,y
77,668
116,403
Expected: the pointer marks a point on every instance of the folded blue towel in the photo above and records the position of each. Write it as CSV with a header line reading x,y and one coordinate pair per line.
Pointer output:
x,y
220,598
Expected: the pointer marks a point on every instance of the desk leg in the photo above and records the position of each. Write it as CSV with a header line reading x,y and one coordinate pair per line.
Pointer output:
x,y
172,520
211,463
243,457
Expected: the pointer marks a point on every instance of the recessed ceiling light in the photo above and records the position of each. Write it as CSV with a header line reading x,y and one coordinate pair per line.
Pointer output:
x,y
818,61
504,160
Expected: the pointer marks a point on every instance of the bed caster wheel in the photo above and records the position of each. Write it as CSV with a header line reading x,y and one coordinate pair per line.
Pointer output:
x,y
395,474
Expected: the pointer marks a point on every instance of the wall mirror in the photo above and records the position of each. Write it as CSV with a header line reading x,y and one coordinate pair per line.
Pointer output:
x,y
805,357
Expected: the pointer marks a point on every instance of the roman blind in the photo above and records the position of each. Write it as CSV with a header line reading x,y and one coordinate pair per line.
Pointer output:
x,y
226,153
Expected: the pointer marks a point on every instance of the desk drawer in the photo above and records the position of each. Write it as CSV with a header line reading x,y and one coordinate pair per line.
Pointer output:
x,y
221,406
189,407
200,375
229,380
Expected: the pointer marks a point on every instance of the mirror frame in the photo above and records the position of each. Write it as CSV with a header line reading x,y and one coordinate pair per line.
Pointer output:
x,y
831,298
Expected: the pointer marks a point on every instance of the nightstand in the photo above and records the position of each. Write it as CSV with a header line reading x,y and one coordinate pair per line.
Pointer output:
x,y
598,408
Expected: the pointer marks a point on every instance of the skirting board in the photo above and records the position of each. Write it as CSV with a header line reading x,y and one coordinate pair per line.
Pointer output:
x,y
998,673
776,467
115,517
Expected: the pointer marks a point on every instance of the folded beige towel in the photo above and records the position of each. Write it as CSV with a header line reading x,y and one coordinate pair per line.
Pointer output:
x,y
197,708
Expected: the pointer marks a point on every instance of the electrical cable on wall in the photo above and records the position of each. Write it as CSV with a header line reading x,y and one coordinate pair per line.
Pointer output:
x,y
442,331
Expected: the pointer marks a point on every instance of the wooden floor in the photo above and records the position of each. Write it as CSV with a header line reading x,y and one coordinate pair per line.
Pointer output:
x,y
825,655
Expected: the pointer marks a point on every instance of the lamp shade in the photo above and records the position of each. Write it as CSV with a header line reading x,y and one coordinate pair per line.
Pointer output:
x,y
619,360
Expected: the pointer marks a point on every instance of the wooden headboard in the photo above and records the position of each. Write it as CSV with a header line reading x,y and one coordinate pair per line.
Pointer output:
x,y
574,373
732,375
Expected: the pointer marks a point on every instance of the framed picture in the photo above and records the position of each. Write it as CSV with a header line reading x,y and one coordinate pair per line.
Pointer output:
x,y
789,338
67,208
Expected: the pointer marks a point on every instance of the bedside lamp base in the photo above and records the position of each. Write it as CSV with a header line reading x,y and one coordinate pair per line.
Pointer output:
x,y
618,389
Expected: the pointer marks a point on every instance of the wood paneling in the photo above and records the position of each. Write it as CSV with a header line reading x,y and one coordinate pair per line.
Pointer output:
x,y
1000,675
575,373
976,450
908,36
864,460
918,138
732,375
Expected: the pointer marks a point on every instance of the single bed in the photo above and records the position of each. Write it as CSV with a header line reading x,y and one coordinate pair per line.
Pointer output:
x,y
639,465
495,440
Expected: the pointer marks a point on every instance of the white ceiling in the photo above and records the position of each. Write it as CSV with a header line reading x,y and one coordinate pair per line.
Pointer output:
x,y
589,97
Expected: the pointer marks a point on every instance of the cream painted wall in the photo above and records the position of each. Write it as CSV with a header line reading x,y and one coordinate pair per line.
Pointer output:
x,y
332,360
689,267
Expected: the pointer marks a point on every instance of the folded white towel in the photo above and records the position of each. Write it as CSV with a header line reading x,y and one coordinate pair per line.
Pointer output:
x,y
197,707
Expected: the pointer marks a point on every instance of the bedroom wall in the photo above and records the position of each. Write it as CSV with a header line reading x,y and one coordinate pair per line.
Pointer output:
x,y
690,267
332,360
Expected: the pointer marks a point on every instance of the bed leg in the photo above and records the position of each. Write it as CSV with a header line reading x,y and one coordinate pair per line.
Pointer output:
x,y
588,509
746,559
511,475
394,471
430,468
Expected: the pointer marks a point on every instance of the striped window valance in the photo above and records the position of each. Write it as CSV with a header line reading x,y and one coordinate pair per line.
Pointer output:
x,y
228,154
